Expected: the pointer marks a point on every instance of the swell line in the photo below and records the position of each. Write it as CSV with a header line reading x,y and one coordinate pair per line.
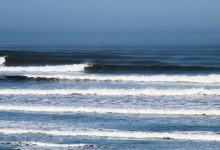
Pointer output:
x,y
134,135
126,111
113,92
149,68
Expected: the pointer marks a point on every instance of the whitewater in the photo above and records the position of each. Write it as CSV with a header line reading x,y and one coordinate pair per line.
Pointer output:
x,y
113,92
61,68
194,136
2,60
55,109
109,95
212,78
113,104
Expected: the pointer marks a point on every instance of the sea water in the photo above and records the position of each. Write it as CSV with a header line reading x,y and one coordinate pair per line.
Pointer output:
x,y
110,90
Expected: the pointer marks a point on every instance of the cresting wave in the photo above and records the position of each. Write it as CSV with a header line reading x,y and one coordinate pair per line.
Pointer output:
x,y
113,92
60,68
212,78
92,68
134,135
147,111
2,60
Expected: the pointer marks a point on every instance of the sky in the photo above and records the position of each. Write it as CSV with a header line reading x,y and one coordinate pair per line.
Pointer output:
x,y
109,15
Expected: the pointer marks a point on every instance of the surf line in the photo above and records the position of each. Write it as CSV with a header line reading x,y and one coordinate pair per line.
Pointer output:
x,y
41,144
58,68
147,111
113,92
133,135
212,78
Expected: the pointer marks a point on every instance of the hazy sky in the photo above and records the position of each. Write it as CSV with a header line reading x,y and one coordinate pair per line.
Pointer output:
x,y
109,15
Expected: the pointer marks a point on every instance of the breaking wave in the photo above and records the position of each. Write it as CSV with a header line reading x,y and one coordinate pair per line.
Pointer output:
x,y
2,60
113,92
60,68
147,111
115,60
134,135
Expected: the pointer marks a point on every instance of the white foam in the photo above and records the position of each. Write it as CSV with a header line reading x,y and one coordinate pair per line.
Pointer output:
x,y
41,144
147,111
113,92
2,60
212,78
60,68
135,135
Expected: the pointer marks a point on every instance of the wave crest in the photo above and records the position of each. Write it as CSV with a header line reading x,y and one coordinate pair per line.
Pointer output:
x,y
2,60
60,68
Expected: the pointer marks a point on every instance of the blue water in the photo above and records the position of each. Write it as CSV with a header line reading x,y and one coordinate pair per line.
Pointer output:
x,y
118,90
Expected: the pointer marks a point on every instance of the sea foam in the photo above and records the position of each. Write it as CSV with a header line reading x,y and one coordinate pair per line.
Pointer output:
x,y
59,68
113,92
2,60
42,144
212,78
147,111
134,135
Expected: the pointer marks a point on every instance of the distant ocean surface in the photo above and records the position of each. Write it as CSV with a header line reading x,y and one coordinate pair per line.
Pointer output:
x,y
118,90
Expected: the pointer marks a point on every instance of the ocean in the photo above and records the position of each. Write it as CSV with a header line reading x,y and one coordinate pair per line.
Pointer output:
x,y
110,90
